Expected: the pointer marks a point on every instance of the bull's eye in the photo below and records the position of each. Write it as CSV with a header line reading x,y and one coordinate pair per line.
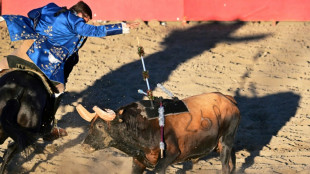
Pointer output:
x,y
99,125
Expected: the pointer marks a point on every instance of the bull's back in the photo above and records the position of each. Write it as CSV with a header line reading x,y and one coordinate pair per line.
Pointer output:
x,y
214,104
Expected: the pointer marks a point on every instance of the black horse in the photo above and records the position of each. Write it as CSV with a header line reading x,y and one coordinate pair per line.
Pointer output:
x,y
26,110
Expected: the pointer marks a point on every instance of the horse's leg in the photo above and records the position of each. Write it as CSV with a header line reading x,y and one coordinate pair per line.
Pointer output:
x,y
12,149
3,135
56,132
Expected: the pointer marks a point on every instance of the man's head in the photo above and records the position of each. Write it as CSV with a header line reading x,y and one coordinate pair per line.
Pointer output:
x,y
82,10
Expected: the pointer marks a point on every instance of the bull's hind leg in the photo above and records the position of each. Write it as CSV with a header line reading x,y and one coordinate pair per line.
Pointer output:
x,y
225,156
227,153
12,149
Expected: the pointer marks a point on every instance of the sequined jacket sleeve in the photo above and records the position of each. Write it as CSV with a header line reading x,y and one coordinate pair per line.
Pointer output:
x,y
80,27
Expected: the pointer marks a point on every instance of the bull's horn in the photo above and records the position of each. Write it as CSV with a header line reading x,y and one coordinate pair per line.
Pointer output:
x,y
84,113
107,115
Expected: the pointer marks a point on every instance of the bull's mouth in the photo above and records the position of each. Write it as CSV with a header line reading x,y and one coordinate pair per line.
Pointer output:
x,y
87,148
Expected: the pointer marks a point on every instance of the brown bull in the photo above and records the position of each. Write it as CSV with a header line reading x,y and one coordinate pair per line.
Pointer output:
x,y
211,123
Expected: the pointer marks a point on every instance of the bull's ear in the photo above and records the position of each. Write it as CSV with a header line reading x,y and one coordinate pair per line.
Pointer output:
x,y
120,112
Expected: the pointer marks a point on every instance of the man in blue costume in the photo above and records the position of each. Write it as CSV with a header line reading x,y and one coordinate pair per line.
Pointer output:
x,y
52,37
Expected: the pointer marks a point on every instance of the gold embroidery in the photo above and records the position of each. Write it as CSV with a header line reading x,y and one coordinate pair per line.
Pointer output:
x,y
58,52
11,18
37,44
49,30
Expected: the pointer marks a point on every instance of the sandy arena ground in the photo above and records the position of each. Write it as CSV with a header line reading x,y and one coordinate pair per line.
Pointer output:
x,y
266,67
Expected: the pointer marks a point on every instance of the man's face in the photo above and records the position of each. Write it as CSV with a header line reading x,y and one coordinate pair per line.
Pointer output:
x,y
85,17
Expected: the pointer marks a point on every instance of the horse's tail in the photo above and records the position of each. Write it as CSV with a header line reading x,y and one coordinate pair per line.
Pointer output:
x,y
9,120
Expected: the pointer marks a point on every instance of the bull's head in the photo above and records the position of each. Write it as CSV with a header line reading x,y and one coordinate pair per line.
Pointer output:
x,y
97,137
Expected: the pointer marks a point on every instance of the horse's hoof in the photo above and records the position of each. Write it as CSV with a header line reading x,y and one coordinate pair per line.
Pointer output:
x,y
55,134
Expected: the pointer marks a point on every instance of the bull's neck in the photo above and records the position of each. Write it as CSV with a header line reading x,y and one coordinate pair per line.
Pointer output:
x,y
133,151
128,149
118,141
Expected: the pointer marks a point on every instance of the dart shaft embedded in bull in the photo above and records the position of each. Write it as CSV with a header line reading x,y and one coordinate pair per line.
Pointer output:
x,y
165,90
145,76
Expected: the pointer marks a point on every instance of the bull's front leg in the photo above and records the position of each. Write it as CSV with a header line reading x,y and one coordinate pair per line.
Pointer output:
x,y
171,154
227,154
12,149
137,166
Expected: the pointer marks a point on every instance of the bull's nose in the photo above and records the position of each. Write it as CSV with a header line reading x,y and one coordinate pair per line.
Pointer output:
x,y
87,148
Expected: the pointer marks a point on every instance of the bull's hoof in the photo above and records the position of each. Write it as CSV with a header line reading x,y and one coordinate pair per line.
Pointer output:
x,y
55,134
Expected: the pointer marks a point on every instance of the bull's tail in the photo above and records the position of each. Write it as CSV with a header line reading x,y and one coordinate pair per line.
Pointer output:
x,y
9,121
231,98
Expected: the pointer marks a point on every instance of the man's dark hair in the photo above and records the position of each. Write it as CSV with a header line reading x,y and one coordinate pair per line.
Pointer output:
x,y
82,7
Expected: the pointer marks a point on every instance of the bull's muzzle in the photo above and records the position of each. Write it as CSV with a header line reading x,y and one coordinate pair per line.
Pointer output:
x,y
87,148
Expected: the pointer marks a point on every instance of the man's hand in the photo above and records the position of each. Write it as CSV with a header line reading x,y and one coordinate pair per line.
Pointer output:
x,y
133,25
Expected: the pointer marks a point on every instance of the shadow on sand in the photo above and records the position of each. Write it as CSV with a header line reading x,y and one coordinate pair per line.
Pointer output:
x,y
180,46
262,117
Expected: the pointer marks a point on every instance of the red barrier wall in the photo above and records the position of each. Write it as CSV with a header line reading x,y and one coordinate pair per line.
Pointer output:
x,y
174,10
167,10
247,10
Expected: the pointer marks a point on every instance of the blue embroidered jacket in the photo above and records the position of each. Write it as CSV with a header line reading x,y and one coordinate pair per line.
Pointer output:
x,y
56,38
